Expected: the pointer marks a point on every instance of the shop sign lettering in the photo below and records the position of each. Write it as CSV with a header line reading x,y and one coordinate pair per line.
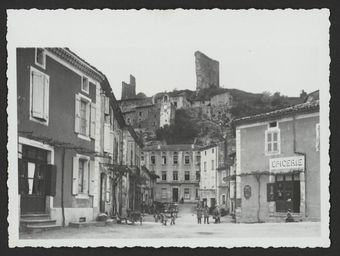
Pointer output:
x,y
295,162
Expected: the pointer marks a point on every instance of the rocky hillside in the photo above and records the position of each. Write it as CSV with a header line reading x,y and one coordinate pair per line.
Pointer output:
x,y
208,124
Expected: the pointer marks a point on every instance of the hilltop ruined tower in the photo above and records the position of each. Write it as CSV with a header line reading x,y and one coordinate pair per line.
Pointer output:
x,y
129,90
207,72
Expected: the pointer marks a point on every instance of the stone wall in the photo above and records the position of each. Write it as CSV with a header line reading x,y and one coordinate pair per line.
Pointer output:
x,y
207,72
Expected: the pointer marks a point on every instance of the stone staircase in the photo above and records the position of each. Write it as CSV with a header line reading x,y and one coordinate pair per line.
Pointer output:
x,y
36,222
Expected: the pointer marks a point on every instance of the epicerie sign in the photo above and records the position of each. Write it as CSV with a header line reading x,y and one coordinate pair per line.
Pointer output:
x,y
294,162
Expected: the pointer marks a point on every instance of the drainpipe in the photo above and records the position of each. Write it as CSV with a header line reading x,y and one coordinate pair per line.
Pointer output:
x,y
62,186
302,154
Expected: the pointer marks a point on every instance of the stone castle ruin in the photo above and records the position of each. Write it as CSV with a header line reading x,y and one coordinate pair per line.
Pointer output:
x,y
129,89
207,72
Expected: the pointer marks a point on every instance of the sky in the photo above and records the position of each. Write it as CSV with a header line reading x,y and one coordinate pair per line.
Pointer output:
x,y
281,50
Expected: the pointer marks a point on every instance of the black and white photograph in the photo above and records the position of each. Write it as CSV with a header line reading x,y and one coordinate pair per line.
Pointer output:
x,y
168,128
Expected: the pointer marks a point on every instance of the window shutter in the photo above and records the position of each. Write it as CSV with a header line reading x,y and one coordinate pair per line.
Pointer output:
x,y
107,105
51,179
91,178
77,113
111,141
37,95
75,175
93,121
88,112
46,97
22,173
107,137
108,188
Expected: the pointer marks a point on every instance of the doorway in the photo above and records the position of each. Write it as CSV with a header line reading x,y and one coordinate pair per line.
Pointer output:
x,y
287,192
32,179
175,195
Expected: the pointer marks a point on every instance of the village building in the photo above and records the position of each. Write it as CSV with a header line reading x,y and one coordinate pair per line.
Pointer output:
x,y
278,164
74,145
178,167
209,178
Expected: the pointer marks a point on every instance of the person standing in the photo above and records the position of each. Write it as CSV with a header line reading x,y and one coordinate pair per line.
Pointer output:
x,y
199,215
206,215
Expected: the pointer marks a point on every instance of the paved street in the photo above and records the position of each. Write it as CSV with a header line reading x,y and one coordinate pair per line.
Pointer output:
x,y
185,227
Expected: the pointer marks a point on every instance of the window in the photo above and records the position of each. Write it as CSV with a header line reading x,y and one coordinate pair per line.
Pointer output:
x,y
175,158
140,113
198,159
153,159
175,175
85,84
186,193
81,176
272,137
164,160
164,193
83,169
205,152
212,150
205,166
197,175
85,117
187,159
40,57
128,120
224,175
317,139
196,194
39,96
273,124
187,175
163,175
175,103
212,164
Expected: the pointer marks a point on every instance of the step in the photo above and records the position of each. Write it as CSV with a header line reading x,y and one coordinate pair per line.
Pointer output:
x,y
37,222
87,224
33,216
39,228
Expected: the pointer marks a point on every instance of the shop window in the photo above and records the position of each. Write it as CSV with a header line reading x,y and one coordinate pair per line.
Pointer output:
x,y
175,175
186,193
317,139
272,141
40,57
187,175
39,96
85,84
163,175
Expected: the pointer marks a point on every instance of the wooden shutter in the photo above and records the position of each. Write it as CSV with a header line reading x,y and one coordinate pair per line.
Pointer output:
x,y
77,114
46,97
23,185
107,137
93,121
37,95
91,178
88,113
51,179
111,141
108,188
107,105
75,175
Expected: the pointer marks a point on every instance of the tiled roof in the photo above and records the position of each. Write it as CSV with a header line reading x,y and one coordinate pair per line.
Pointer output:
x,y
175,147
307,107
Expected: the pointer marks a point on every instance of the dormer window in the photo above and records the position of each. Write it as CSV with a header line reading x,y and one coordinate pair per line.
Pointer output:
x,y
40,57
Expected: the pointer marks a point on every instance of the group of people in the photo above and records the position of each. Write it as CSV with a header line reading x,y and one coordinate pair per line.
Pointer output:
x,y
163,218
205,212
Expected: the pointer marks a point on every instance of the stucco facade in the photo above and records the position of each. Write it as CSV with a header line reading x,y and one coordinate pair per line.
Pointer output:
x,y
178,168
278,164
